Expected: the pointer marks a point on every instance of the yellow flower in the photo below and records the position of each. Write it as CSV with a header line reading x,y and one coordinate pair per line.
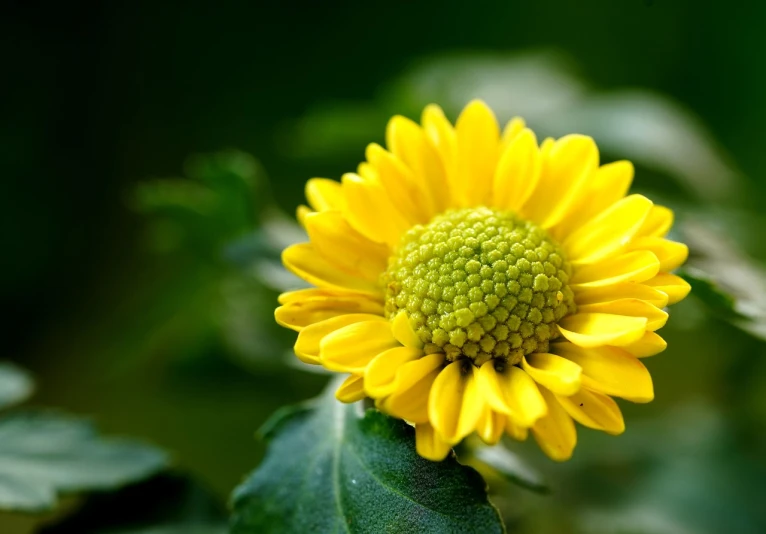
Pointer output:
x,y
470,280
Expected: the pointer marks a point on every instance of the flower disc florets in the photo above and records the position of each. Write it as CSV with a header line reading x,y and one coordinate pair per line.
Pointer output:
x,y
480,283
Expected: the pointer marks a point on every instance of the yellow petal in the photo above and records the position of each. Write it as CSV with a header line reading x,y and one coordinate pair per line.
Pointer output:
x,y
517,432
630,290
675,287
610,370
403,331
608,184
655,318
513,392
670,253
517,172
636,266
609,231
351,390
408,142
649,345
555,433
597,329
567,163
309,306
478,136
343,246
307,344
412,388
370,211
491,426
428,443
305,261
400,184
442,137
594,410
455,403
658,223
352,347
512,128
554,372
301,212
324,194
380,374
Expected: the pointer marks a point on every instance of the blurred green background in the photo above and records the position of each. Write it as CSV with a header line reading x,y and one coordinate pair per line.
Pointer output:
x,y
148,305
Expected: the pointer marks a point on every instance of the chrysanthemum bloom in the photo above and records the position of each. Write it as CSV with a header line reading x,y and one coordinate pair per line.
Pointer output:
x,y
470,280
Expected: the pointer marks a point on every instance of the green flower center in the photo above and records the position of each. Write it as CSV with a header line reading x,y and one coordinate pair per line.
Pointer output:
x,y
480,283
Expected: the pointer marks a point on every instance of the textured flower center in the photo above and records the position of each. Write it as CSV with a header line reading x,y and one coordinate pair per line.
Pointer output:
x,y
480,283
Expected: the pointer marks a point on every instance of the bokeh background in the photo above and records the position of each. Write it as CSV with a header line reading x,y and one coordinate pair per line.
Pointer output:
x,y
152,155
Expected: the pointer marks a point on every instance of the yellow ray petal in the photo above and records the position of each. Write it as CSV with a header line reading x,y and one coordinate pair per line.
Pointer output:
x,y
675,287
305,261
517,172
670,253
301,212
412,388
519,433
315,305
609,231
649,345
408,142
455,403
478,136
597,329
511,391
655,318
380,374
307,344
351,390
442,137
610,370
352,347
630,290
370,211
403,331
636,266
512,128
343,246
594,410
428,443
401,185
608,184
658,223
324,194
555,433
565,168
491,426
558,374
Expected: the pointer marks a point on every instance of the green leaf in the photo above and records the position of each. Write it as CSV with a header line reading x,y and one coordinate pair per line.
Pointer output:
x,y
165,504
511,466
705,288
43,455
335,468
15,384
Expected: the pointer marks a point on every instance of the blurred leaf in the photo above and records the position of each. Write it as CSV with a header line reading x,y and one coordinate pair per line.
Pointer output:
x,y
165,504
649,128
334,468
15,384
43,455
511,466
731,283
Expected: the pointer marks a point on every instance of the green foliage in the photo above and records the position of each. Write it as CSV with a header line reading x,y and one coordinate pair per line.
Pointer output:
x,y
43,455
165,504
15,384
510,466
332,467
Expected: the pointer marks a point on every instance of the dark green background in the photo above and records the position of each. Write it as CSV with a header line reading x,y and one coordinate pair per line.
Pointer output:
x,y
99,96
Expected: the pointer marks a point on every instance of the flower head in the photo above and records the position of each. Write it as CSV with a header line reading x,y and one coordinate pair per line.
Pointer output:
x,y
470,280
